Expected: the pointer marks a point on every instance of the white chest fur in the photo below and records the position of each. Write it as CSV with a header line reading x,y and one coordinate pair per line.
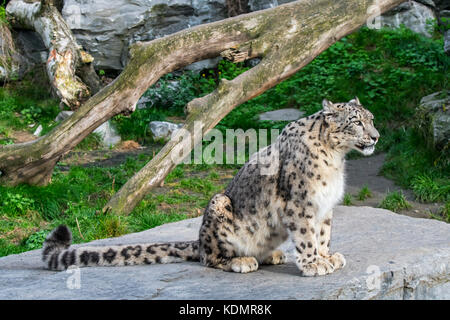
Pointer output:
x,y
327,195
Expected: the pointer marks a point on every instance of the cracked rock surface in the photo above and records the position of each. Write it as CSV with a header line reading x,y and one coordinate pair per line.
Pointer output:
x,y
389,256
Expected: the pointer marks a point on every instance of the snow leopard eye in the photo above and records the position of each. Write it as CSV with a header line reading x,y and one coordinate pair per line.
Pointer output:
x,y
358,123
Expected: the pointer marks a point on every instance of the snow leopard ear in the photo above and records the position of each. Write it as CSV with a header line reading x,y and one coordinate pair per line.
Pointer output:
x,y
328,107
355,100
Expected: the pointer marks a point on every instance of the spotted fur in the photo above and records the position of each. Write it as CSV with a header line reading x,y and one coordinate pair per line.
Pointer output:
x,y
286,190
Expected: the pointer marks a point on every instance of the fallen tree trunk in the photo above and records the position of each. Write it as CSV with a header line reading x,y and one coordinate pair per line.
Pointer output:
x,y
66,62
286,38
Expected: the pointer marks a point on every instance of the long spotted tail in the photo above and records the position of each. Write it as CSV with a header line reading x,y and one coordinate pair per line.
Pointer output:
x,y
57,254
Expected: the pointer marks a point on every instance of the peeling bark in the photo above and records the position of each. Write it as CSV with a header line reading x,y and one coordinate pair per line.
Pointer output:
x,y
286,38
66,62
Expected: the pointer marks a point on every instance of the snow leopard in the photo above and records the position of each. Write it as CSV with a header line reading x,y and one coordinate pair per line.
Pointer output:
x,y
286,190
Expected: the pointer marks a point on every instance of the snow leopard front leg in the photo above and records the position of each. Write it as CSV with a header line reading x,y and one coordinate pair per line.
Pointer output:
x,y
300,223
324,238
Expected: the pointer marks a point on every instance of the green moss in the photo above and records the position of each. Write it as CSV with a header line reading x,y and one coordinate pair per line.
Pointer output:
x,y
159,9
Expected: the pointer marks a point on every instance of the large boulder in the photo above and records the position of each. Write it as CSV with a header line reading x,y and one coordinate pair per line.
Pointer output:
x,y
442,4
107,27
412,14
389,256
444,17
163,130
433,119
31,46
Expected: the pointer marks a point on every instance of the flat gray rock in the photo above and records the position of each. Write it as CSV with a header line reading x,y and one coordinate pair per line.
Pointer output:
x,y
282,115
389,256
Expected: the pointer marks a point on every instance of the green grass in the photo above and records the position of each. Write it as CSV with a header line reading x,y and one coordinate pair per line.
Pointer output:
x,y
444,213
364,193
347,201
76,197
28,101
429,189
411,164
92,142
25,104
395,201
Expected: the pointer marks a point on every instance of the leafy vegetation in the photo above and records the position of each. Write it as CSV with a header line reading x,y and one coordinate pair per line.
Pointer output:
x,y
75,198
25,104
395,201
411,164
364,193
3,12
444,213
347,201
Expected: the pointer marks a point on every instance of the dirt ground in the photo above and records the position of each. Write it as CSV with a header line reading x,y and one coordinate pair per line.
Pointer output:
x,y
365,171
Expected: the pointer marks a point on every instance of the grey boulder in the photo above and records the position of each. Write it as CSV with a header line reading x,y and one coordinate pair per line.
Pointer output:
x,y
108,133
433,119
63,115
412,14
163,130
38,131
107,27
389,256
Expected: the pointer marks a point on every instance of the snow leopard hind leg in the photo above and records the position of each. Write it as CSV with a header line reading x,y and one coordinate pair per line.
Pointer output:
x,y
219,234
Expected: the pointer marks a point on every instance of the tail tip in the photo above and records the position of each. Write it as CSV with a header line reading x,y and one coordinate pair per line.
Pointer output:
x,y
61,234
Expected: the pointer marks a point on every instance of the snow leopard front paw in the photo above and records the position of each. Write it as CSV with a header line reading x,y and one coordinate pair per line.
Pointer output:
x,y
337,260
317,267
276,257
244,264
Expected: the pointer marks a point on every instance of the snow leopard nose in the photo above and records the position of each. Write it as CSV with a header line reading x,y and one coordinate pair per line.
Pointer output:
x,y
374,136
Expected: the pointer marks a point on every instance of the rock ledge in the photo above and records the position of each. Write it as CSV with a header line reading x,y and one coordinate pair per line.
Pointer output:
x,y
389,256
